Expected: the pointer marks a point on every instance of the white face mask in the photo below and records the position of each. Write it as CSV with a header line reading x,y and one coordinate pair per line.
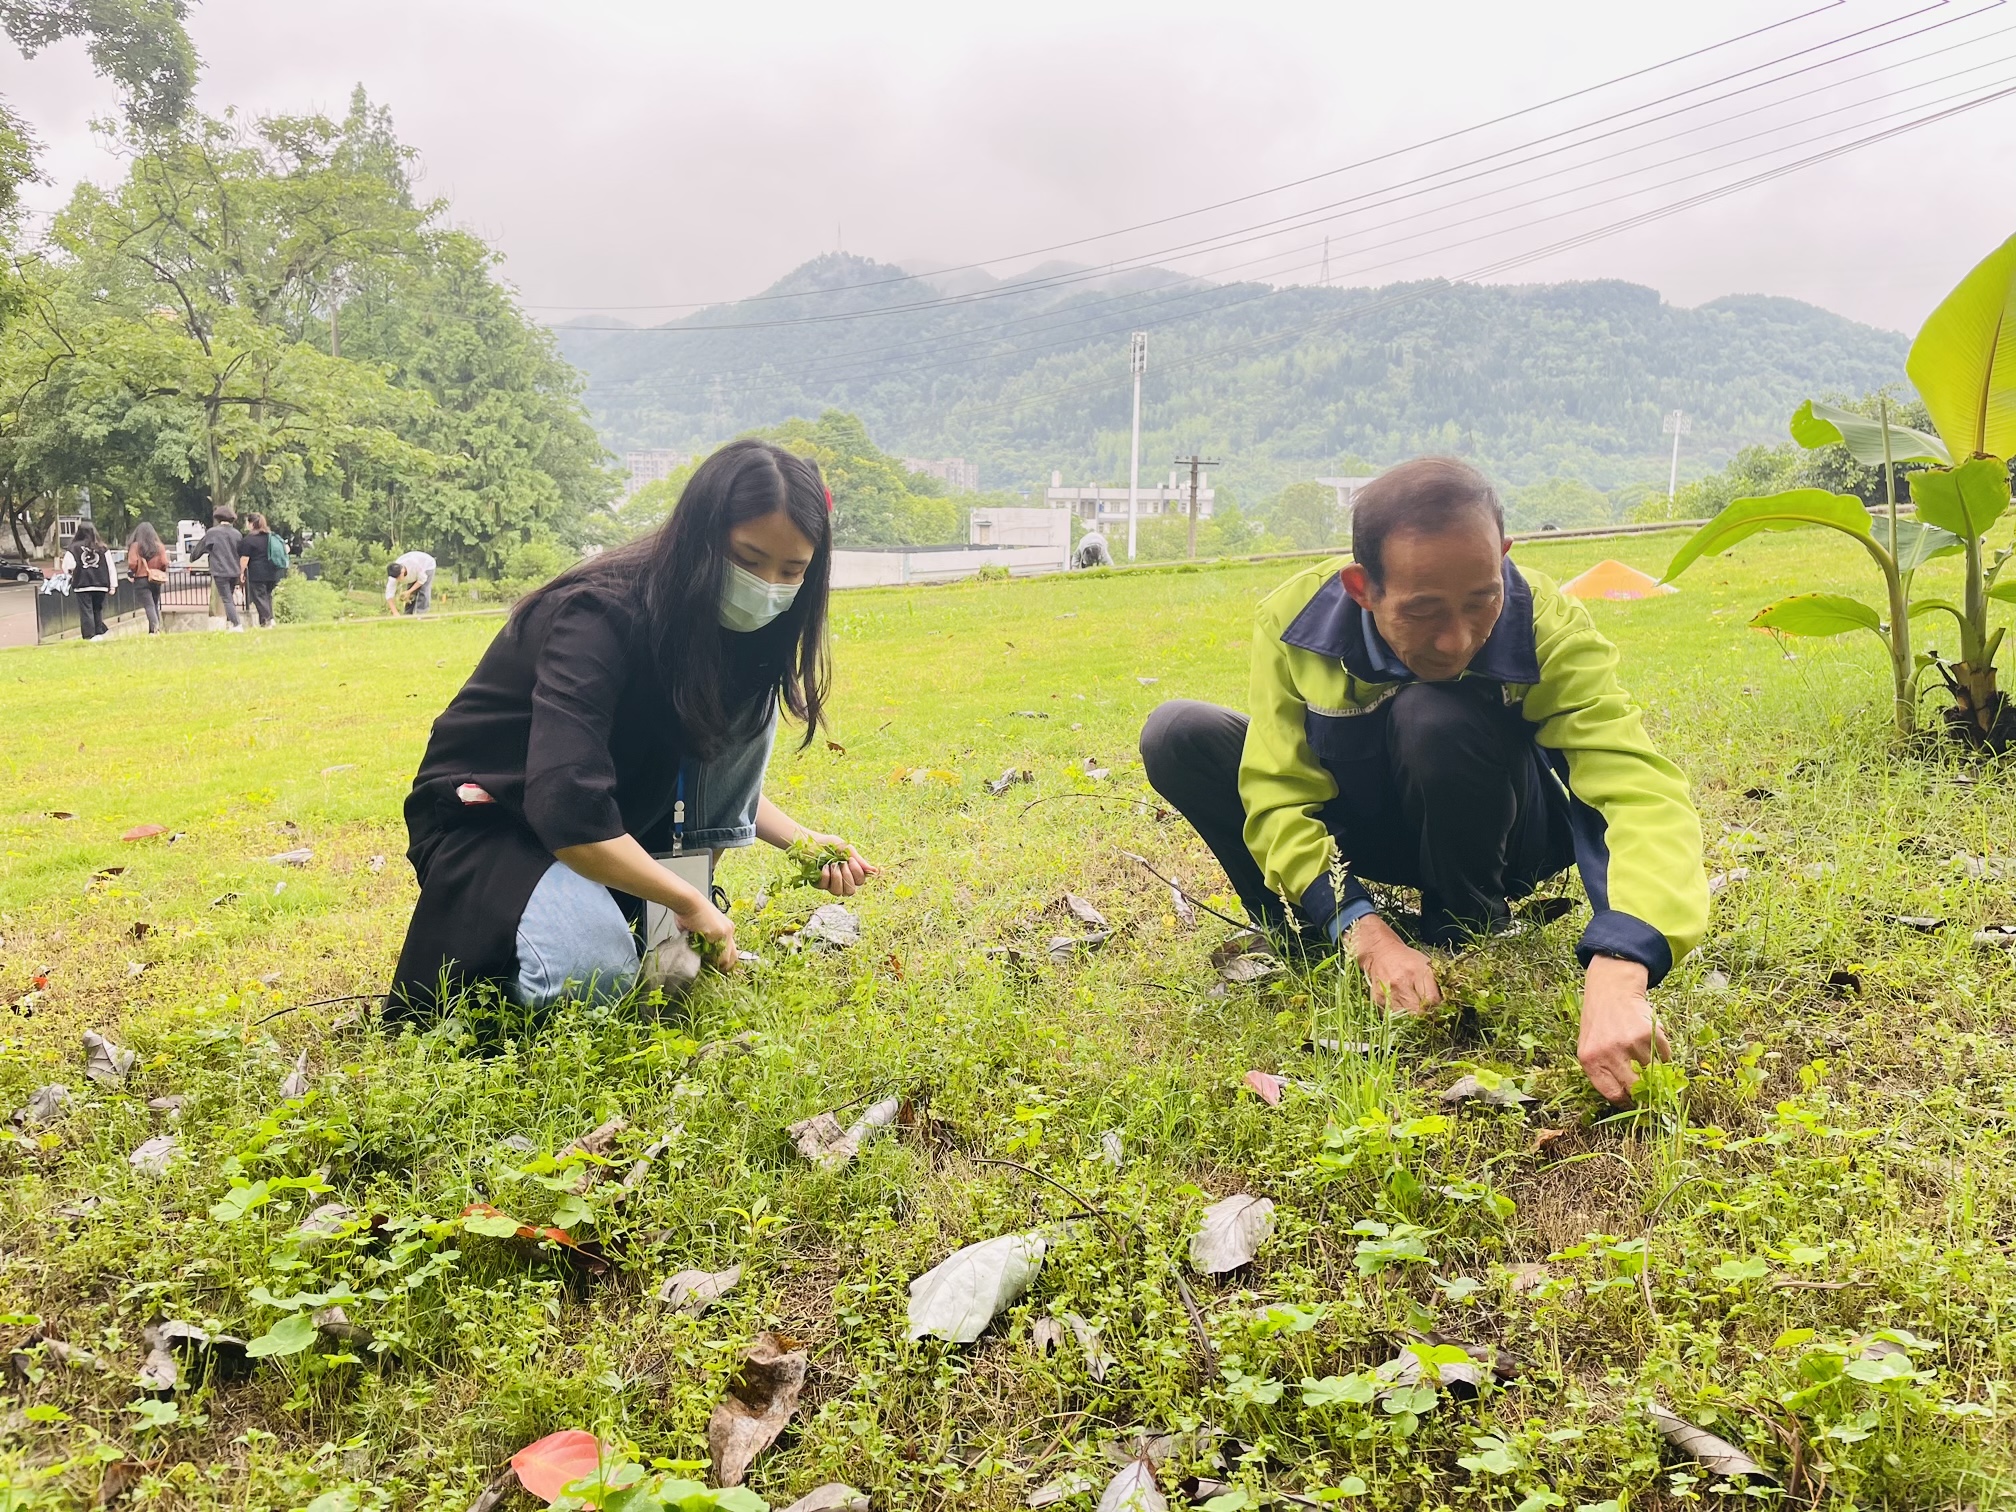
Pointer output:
x,y
748,602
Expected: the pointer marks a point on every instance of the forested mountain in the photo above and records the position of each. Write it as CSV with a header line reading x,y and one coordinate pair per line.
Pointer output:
x,y
1534,382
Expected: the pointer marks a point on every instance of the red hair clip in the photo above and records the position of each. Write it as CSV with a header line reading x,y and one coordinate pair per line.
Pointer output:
x,y
829,501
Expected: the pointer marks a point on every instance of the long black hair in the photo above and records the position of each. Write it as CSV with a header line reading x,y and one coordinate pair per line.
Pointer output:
x,y
147,538
679,569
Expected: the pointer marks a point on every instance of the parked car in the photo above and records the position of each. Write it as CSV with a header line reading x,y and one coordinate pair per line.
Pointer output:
x,y
13,570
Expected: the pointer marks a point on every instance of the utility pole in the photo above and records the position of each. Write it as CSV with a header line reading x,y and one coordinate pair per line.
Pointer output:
x,y
1326,263
1194,463
1138,360
1677,425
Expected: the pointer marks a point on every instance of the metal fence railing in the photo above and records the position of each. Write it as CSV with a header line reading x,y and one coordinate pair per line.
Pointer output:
x,y
186,590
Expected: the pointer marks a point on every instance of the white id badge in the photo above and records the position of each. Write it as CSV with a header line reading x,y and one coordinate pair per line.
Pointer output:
x,y
696,870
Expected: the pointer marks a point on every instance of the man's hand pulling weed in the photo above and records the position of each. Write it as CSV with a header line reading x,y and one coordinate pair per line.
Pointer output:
x,y
1402,979
1619,1032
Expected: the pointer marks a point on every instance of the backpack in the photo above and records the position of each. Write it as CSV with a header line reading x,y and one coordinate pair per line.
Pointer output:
x,y
276,553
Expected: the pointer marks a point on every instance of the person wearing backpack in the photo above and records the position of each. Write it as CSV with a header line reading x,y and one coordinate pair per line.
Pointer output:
x,y
265,558
93,574
147,566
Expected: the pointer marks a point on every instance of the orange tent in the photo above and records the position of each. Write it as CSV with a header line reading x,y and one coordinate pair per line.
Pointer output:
x,y
1613,580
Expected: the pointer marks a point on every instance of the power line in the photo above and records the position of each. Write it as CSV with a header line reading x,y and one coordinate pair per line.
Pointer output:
x,y
822,368
1576,94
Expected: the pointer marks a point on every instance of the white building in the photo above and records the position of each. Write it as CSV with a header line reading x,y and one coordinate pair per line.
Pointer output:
x,y
1104,506
652,466
1347,491
961,475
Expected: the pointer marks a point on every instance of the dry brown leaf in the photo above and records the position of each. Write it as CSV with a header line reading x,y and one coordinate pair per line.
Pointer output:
x,y
831,1497
295,1083
104,1062
1470,1089
1046,1336
1715,1455
694,1291
1230,1233
1080,909
759,1403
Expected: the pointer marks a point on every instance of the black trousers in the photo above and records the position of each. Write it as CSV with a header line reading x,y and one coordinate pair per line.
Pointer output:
x,y
259,599
1448,795
91,615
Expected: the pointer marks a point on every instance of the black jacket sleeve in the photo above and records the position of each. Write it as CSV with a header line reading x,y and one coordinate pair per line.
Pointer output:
x,y
570,777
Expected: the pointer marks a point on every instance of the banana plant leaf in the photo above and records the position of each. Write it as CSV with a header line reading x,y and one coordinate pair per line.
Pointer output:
x,y
1815,424
1794,510
1817,614
1967,499
1918,543
1963,362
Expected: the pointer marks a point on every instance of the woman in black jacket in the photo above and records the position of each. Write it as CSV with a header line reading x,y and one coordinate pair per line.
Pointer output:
x,y
262,573
626,710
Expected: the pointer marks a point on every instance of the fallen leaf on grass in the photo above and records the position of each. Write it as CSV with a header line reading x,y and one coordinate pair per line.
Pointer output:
x,y
1715,981
44,1105
119,1479
1059,1490
171,1106
1254,966
1500,1093
1543,1139
375,865
1180,906
1996,934
759,1403
1231,1233
1724,879
1983,868
1061,948
1528,1276
155,1156
1923,923
1715,1455
492,1495
1079,909
694,1291
341,766
325,1223
135,968
1046,1336
1760,794
1097,1361
1263,1086
1111,1149
144,832
1134,1490
295,1083
229,1355
222,899
1009,778
957,1298
1341,1047
60,814
833,926
300,857
481,1218
821,1139
835,1496
334,1323
1849,982
104,1062
1091,768
547,1467
1454,1368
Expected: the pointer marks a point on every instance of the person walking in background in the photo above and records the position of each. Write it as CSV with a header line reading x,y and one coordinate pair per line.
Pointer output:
x,y
147,566
265,557
220,545
91,566
409,583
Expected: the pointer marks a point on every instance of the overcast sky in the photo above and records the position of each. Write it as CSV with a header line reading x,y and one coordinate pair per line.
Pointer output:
x,y
628,153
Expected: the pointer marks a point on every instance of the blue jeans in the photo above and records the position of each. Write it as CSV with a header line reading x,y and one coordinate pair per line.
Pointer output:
x,y
573,933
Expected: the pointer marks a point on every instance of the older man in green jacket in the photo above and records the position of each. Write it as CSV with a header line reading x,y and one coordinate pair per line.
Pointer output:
x,y
1428,715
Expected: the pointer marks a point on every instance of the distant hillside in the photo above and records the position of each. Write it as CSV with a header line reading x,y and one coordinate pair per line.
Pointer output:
x,y
1532,381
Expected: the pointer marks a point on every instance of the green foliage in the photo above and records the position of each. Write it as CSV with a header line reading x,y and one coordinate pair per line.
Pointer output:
x,y
1307,515
1559,503
139,44
876,500
305,601
1530,382
1753,471
261,315
1964,363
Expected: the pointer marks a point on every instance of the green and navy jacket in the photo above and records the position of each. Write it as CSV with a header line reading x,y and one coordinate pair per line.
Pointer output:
x,y
1319,666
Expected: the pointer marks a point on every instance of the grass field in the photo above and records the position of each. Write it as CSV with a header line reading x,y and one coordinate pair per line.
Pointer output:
x,y
1799,1239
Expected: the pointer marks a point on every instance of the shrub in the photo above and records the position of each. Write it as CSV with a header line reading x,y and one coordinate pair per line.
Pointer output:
x,y
304,601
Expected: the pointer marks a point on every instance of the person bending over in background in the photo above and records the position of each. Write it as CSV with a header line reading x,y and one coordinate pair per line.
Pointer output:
x,y
90,563
1092,551
1430,716
409,583
220,545
627,707
147,566
265,557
